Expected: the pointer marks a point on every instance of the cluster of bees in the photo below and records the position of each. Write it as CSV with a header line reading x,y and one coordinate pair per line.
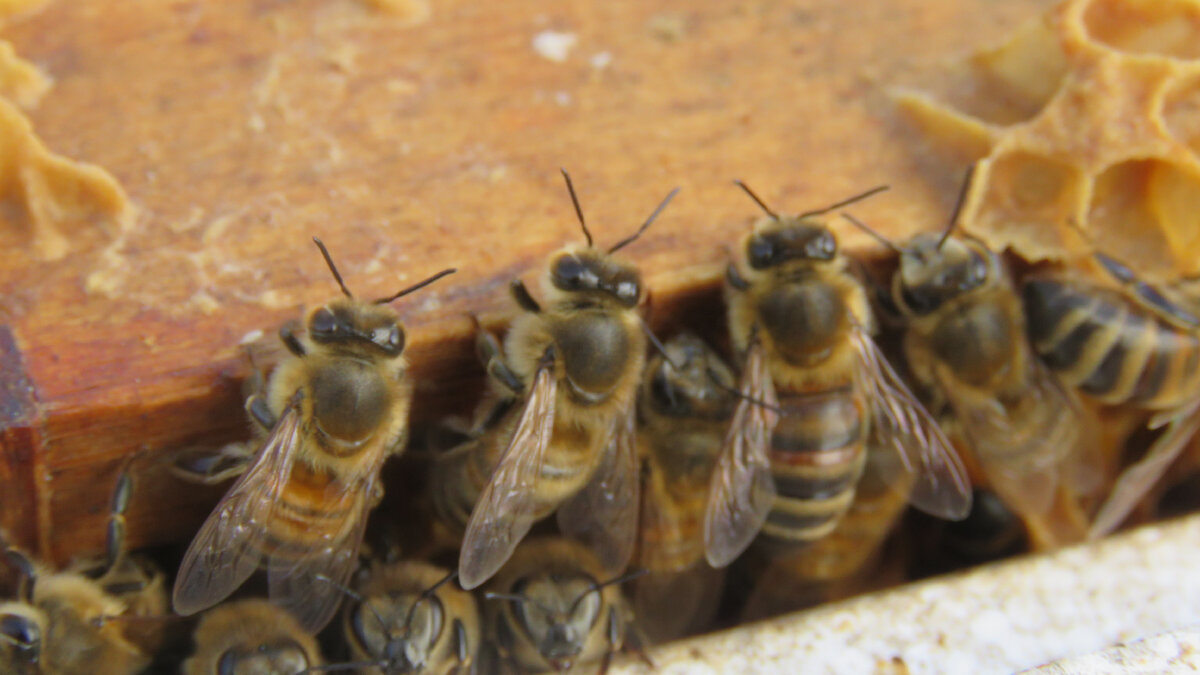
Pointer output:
x,y
660,470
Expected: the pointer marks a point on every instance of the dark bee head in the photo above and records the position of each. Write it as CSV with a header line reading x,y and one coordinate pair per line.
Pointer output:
x,y
775,242
400,629
21,631
934,271
557,612
356,325
588,272
279,657
684,388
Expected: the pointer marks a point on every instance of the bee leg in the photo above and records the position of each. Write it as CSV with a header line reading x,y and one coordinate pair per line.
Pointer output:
x,y
260,412
491,355
461,647
26,570
114,542
735,279
287,333
523,298
638,646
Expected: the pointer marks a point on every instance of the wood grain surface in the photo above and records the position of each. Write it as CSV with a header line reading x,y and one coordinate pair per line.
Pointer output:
x,y
409,139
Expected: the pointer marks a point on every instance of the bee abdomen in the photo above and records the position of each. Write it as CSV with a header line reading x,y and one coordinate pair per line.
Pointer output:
x,y
817,457
1109,347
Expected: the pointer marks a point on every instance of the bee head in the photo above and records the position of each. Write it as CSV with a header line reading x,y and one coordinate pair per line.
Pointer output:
x,y
934,270
345,322
349,322
268,658
21,631
400,629
557,612
777,241
684,387
586,271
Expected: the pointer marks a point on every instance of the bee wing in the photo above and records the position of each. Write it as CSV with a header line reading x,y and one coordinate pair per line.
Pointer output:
x,y
742,489
1140,477
227,548
505,510
901,423
1024,461
310,586
604,515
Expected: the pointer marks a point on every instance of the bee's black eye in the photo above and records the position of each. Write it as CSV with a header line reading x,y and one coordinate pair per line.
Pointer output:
x,y
762,252
323,322
390,339
23,632
821,247
570,274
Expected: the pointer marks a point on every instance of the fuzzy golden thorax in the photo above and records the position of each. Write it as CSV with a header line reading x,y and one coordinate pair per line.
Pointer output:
x,y
793,286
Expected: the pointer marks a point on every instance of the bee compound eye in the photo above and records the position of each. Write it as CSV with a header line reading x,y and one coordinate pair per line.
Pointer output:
x,y
323,322
761,252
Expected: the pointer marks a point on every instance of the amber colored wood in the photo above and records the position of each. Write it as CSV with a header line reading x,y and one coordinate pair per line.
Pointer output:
x,y
240,129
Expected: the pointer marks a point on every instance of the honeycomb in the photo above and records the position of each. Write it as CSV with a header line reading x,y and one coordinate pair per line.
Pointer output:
x,y
1088,117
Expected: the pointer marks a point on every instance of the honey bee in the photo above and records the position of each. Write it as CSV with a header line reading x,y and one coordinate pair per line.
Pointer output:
x,y
334,410
550,610
251,637
789,465
990,532
1125,343
573,366
75,622
684,408
408,618
965,342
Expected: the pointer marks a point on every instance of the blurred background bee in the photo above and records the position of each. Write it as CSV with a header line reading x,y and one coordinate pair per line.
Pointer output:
x,y
105,621
790,465
550,609
409,617
251,637
990,532
1122,342
333,412
574,365
684,409
965,343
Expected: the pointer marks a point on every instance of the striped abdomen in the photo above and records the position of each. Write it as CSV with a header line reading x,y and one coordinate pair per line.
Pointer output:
x,y
315,510
1110,346
817,455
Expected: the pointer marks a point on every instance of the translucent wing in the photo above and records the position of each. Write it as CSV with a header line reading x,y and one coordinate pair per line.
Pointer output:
x,y
228,547
604,514
507,507
1139,478
742,489
1024,444
899,422
302,585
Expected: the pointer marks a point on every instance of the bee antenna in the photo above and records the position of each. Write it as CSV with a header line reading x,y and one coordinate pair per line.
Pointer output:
x,y
517,598
761,204
712,375
332,268
875,235
615,581
426,594
847,202
578,209
417,286
25,569
357,597
659,346
633,237
350,665
958,205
